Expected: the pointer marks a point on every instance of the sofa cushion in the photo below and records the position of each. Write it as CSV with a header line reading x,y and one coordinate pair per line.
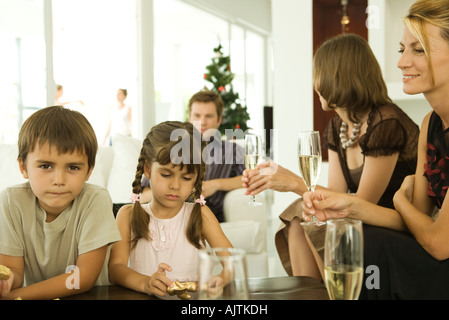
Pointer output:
x,y
245,234
103,164
126,153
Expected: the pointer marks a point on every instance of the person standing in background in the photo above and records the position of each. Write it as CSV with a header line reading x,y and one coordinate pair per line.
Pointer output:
x,y
120,123
60,93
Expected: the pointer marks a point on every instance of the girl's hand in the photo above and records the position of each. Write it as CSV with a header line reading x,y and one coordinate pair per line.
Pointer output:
x,y
269,175
157,284
215,287
326,204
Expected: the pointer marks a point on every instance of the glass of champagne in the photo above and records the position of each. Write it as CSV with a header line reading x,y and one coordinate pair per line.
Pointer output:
x,y
253,155
309,162
343,258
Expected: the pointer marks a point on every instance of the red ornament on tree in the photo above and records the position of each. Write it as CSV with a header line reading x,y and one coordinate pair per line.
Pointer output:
x,y
221,88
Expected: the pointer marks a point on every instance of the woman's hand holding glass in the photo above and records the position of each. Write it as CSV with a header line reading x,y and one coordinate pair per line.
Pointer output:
x,y
270,175
253,156
325,204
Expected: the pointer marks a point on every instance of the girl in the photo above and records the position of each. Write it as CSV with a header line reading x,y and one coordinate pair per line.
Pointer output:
x,y
161,239
367,135
413,264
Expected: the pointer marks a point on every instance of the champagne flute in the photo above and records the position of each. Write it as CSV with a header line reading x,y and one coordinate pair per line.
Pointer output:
x,y
253,155
343,258
309,162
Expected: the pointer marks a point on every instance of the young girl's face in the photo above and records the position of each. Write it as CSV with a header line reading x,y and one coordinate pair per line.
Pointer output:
x,y
56,179
170,185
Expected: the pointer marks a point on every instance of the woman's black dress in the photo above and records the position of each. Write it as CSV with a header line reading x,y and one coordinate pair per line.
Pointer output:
x,y
405,269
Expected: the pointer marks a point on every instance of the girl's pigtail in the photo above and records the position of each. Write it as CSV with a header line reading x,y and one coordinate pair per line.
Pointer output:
x,y
195,226
140,219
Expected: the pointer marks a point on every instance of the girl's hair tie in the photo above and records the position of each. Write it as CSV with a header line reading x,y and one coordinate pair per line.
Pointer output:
x,y
201,200
135,198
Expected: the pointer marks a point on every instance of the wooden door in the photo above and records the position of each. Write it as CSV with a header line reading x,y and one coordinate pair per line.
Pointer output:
x,y
327,16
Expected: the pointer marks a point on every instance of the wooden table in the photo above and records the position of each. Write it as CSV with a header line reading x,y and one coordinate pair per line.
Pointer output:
x,y
271,288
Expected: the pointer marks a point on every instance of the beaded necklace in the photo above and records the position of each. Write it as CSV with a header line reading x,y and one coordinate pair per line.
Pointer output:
x,y
345,142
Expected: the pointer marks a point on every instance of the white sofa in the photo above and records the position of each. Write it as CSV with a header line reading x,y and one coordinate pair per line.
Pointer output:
x,y
115,170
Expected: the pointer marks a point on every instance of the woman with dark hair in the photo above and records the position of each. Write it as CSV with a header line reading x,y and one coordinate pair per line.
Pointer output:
x,y
368,135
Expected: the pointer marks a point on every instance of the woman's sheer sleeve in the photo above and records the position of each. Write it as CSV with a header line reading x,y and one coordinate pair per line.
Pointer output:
x,y
385,138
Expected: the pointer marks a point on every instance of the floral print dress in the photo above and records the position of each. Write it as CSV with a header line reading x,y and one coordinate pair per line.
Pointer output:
x,y
437,165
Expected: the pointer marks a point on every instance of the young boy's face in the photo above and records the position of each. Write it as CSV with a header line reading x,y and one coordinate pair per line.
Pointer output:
x,y
56,179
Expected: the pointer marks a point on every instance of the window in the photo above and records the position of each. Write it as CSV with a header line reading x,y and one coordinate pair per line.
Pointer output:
x,y
22,64
95,54
92,52
185,37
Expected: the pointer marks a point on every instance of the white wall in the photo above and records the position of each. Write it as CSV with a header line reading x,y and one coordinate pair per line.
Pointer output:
x,y
253,13
146,67
292,86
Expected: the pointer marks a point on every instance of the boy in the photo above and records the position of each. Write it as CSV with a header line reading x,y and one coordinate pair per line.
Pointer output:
x,y
55,229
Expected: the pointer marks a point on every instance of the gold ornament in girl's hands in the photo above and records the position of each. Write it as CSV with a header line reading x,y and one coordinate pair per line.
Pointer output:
x,y
5,273
181,288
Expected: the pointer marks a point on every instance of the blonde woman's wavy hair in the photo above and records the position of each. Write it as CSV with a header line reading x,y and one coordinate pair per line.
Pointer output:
x,y
435,12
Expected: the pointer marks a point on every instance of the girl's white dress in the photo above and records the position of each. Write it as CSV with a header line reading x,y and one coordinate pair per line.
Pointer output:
x,y
169,245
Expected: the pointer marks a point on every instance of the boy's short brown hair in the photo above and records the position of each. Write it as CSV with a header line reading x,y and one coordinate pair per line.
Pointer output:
x,y
207,96
65,129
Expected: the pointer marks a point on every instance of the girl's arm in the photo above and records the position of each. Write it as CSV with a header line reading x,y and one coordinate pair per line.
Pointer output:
x,y
216,238
212,230
121,274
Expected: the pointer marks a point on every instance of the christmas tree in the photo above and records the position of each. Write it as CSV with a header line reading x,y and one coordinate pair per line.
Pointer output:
x,y
235,115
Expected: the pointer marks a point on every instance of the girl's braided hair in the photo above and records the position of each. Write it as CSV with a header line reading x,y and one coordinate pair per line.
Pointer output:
x,y
167,143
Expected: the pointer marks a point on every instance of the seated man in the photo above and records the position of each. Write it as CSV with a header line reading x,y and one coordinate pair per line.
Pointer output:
x,y
224,173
